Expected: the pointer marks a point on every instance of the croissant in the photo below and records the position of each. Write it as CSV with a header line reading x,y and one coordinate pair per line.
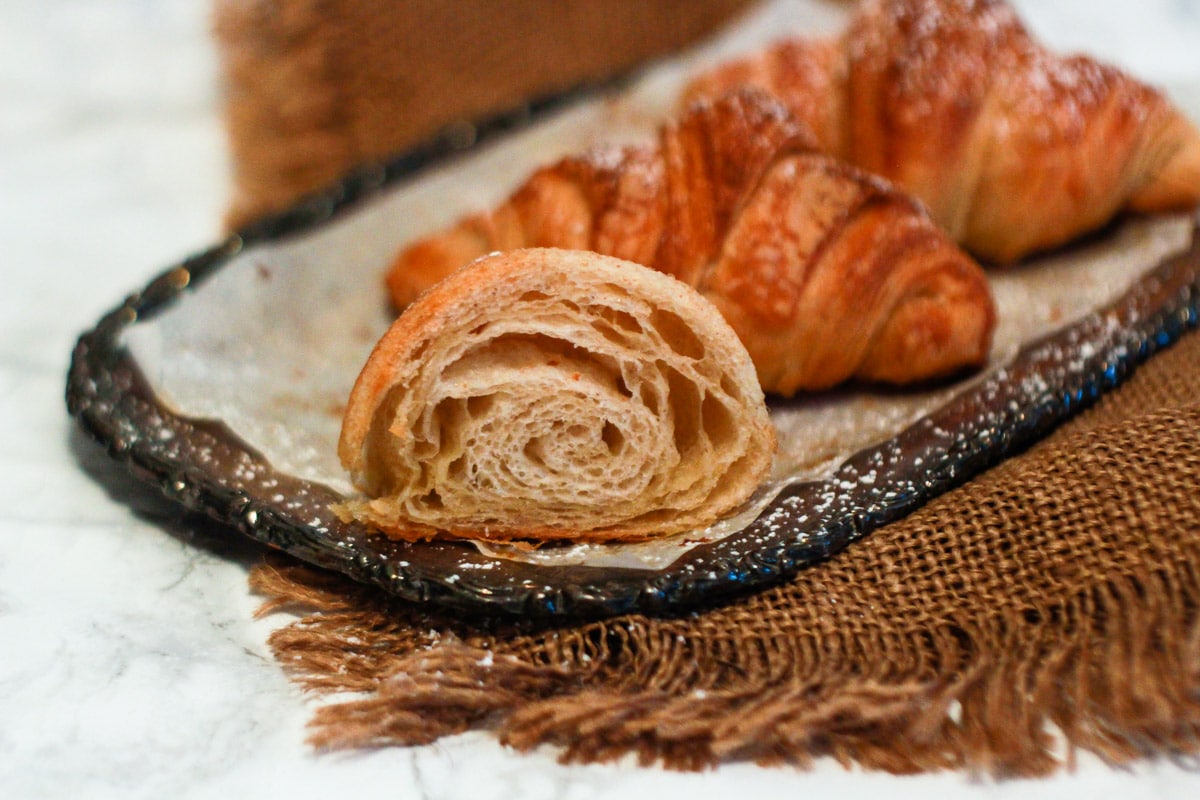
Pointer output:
x,y
555,395
1012,148
825,273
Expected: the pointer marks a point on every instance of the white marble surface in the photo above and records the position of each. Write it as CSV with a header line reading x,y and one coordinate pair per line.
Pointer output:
x,y
129,663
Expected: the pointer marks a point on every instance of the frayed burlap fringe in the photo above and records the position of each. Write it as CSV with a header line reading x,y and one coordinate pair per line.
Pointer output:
x,y
1049,607
975,699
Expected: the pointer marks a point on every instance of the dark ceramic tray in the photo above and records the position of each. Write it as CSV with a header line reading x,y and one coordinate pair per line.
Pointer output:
x,y
201,463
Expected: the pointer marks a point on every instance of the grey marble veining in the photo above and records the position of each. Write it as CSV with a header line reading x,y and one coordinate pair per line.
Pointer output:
x,y
130,662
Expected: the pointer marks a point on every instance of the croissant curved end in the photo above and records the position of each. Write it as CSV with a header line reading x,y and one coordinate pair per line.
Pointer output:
x,y
421,265
546,394
1177,185
944,327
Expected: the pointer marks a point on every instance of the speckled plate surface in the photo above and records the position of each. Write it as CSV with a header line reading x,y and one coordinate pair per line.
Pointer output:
x,y
222,382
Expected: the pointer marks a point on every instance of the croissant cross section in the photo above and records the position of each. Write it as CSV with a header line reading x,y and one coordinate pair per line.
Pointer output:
x,y
555,395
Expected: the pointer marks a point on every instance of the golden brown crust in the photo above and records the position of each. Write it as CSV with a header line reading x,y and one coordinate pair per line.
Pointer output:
x,y
831,275
806,75
1013,149
808,258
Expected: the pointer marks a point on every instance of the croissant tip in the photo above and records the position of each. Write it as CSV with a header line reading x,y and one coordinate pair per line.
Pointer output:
x,y
1177,185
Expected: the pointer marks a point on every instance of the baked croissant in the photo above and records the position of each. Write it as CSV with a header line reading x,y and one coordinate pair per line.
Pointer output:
x,y
555,395
824,272
1012,148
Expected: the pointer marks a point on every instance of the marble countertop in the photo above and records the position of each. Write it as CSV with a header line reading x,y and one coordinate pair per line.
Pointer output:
x,y
130,663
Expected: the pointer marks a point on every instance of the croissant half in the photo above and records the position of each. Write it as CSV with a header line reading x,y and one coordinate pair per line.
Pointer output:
x,y
1013,149
825,273
555,395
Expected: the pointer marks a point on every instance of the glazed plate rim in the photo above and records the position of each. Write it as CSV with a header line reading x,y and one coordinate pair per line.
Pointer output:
x,y
991,419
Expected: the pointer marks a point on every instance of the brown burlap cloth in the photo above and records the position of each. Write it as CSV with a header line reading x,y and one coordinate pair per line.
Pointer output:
x,y
1050,605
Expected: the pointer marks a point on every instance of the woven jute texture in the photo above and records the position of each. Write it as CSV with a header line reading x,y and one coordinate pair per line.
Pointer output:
x,y
1049,605
316,87
1052,604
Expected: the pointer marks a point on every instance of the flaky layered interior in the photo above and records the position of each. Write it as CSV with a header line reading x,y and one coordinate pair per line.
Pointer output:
x,y
550,394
